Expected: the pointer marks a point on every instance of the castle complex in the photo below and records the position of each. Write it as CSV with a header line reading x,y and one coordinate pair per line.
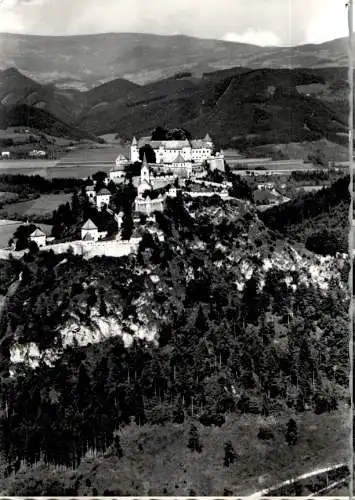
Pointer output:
x,y
173,158
175,152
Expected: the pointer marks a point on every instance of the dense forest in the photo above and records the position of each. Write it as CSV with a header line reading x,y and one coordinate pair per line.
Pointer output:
x,y
277,342
320,220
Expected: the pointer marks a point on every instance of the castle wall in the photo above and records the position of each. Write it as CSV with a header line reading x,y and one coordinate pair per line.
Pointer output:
x,y
216,164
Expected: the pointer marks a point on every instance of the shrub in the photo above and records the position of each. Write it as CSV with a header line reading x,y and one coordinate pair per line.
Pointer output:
x,y
265,433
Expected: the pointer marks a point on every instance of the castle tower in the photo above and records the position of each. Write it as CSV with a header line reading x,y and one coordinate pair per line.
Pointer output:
x,y
134,150
207,139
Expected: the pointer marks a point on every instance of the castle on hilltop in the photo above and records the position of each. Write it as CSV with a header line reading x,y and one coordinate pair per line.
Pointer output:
x,y
179,152
173,158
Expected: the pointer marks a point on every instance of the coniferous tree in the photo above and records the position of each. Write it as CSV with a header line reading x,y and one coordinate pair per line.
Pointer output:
x,y
103,307
117,446
229,454
194,443
291,432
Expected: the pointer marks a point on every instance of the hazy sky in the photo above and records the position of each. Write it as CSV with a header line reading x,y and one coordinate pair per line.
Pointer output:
x,y
263,22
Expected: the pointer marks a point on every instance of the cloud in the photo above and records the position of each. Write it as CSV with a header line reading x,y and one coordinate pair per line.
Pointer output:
x,y
260,22
333,21
263,38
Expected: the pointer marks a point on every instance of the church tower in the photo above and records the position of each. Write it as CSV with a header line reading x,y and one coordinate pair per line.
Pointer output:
x,y
134,150
145,176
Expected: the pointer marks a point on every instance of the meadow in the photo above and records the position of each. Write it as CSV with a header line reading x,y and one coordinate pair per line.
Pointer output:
x,y
39,207
8,227
79,163
149,449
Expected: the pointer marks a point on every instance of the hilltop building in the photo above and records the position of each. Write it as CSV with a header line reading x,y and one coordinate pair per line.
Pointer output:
x,y
103,198
89,231
147,205
117,174
172,152
217,162
90,193
121,160
38,237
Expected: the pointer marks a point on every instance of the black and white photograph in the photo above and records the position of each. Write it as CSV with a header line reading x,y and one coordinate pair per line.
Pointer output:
x,y
176,248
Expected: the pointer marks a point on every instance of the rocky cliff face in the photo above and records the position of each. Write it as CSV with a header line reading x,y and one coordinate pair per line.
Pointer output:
x,y
243,248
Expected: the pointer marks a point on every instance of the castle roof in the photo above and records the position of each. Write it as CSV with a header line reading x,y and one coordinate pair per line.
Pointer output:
x,y
90,188
198,143
207,138
146,183
87,237
37,232
118,168
134,142
179,159
121,157
166,144
103,191
89,225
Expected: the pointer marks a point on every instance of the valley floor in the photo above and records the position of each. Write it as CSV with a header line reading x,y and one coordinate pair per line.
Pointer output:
x,y
156,460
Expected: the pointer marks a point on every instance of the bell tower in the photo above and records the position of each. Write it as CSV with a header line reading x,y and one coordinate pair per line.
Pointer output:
x,y
134,150
145,176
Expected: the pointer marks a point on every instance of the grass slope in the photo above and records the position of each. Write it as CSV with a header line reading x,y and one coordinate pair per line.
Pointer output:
x,y
156,460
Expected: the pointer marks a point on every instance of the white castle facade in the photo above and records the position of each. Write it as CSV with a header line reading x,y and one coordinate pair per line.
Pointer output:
x,y
175,152
180,158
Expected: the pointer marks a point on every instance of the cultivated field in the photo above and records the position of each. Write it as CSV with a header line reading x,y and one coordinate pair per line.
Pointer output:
x,y
80,163
41,206
100,153
8,227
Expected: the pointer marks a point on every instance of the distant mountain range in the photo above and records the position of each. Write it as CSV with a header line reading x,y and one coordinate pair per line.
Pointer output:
x,y
86,61
260,106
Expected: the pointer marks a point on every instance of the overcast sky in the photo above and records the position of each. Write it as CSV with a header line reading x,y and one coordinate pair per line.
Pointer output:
x,y
263,22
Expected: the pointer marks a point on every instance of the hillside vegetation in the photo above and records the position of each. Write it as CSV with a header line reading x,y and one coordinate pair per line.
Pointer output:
x,y
217,321
239,107
319,220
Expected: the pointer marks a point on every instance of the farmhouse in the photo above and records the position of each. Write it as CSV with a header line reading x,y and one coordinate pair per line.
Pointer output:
x,y
38,237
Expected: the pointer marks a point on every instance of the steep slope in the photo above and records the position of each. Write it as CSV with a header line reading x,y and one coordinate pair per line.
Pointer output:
x,y
22,115
17,89
88,60
263,104
240,107
319,220
214,318
109,92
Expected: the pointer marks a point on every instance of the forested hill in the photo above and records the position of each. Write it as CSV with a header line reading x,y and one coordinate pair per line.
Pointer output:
x,y
35,118
222,317
320,220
